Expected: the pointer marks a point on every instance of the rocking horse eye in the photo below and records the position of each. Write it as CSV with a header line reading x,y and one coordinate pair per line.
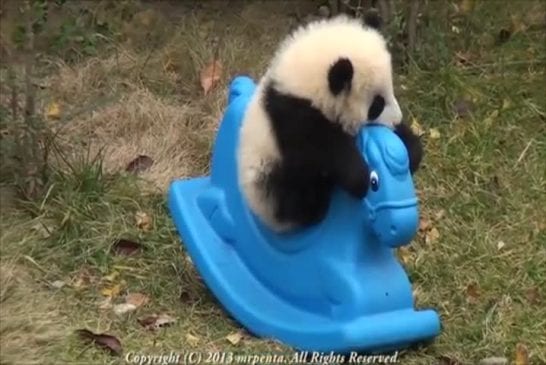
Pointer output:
x,y
374,181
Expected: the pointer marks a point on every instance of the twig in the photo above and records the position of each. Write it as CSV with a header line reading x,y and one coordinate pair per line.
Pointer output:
x,y
512,63
522,154
412,25
384,10
29,87
13,85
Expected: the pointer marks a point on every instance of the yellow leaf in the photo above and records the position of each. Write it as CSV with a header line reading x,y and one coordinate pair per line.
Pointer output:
x,y
434,133
416,127
192,340
506,103
210,75
522,355
432,235
124,308
53,111
112,291
466,6
111,277
235,337
143,221
404,255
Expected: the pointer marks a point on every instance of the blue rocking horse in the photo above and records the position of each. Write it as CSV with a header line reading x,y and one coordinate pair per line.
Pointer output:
x,y
336,286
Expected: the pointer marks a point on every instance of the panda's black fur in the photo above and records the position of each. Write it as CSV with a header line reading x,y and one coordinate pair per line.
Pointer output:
x,y
316,153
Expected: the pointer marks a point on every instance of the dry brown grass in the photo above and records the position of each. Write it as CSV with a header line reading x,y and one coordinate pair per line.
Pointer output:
x,y
30,322
149,101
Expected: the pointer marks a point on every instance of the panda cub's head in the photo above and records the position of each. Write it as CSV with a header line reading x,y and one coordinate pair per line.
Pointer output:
x,y
342,65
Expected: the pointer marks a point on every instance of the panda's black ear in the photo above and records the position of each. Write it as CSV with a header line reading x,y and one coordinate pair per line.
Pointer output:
x,y
373,19
340,76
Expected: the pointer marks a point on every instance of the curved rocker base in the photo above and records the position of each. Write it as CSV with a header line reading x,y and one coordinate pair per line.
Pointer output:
x,y
265,313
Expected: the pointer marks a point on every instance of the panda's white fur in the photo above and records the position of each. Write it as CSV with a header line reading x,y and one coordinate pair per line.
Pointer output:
x,y
299,68
302,60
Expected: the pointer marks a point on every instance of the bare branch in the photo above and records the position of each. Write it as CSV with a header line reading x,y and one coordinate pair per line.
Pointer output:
x,y
412,25
384,10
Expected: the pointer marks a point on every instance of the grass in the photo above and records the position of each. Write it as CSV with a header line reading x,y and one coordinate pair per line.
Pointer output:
x,y
481,185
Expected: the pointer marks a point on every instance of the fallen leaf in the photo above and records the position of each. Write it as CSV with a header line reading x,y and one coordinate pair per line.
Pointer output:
x,y
57,284
522,355
154,322
532,295
139,164
472,292
82,280
124,308
439,214
210,75
462,108
404,254
137,299
113,276
416,127
506,103
500,245
235,337
503,36
432,235
462,58
102,340
192,340
53,111
495,360
143,221
112,291
466,6
424,225
125,247
434,133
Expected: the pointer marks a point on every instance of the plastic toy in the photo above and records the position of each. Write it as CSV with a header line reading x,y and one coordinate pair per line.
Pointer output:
x,y
335,286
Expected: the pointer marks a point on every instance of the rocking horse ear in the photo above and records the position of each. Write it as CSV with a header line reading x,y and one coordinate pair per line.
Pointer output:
x,y
413,144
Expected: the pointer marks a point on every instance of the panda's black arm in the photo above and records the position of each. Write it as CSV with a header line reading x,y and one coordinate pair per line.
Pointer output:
x,y
348,167
412,143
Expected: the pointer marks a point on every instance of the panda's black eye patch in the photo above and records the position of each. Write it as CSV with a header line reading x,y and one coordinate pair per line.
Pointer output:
x,y
378,104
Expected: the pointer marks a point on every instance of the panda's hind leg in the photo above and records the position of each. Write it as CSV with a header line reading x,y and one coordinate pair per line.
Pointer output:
x,y
301,198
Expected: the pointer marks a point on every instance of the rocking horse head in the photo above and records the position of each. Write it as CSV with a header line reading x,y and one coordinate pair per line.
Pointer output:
x,y
391,203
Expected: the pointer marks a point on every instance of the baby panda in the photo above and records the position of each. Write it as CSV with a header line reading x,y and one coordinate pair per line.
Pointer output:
x,y
297,138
